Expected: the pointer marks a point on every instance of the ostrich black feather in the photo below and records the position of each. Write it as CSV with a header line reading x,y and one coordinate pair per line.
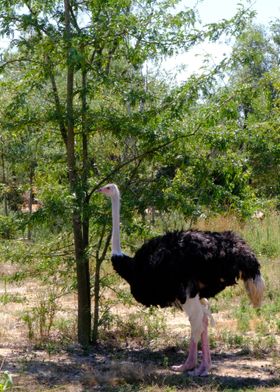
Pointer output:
x,y
167,268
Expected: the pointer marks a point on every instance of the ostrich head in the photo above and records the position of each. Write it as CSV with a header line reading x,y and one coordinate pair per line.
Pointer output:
x,y
110,190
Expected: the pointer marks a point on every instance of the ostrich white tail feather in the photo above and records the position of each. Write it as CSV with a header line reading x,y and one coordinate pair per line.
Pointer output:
x,y
255,289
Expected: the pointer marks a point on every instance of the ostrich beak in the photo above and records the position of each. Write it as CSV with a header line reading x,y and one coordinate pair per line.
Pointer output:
x,y
101,190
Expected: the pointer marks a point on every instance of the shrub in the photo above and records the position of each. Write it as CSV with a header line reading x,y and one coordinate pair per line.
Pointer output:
x,y
8,227
40,319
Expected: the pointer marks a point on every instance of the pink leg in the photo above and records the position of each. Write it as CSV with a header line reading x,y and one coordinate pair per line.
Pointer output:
x,y
191,360
204,367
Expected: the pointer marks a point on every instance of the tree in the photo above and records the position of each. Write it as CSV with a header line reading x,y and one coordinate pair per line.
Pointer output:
x,y
255,78
82,61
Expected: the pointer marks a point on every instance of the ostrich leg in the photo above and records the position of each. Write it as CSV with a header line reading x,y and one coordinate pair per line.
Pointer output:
x,y
205,366
198,315
195,311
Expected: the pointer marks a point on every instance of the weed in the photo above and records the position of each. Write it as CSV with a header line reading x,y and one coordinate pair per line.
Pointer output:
x,y
165,362
40,319
6,381
243,315
7,298
232,340
261,345
67,328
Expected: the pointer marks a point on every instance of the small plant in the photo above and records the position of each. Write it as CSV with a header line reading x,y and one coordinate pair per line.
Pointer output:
x,y
6,297
232,340
262,345
40,319
269,249
67,328
165,362
262,327
6,381
243,318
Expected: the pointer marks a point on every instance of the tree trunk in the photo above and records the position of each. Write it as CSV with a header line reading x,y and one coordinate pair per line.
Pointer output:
x,y
82,264
31,172
83,283
85,171
4,178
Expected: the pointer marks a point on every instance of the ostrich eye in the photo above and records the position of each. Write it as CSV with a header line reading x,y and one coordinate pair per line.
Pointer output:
x,y
107,187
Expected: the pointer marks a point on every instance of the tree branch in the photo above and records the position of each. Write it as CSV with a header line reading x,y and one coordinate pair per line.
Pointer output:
x,y
74,20
21,59
140,157
57,104
152,151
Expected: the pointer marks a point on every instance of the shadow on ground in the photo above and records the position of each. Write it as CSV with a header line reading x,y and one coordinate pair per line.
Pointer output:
x,y
107,368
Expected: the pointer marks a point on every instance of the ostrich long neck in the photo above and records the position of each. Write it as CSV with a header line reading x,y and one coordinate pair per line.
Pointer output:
x,y
116,244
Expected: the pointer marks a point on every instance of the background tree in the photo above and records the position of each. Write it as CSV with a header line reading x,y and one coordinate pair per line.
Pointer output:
x,y
254,77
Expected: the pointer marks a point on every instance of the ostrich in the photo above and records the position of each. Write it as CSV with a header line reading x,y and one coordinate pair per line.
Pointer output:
x,y
184,268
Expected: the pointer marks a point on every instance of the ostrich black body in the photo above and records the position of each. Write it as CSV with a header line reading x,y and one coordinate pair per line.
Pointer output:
x,y
168,267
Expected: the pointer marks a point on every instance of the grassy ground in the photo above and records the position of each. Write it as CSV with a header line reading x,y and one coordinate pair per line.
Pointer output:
x,y
138,346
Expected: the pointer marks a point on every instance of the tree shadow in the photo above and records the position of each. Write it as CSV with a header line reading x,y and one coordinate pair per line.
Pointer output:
x,y
105,368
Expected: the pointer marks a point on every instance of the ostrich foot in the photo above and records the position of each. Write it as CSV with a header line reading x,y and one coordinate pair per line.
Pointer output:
x,y
201,371
191,360
188,365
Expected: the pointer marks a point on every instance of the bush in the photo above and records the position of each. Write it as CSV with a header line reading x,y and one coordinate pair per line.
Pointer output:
x,y
8,227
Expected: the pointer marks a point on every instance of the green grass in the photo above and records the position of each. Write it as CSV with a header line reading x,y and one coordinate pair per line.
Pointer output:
x,y
264,236
6,381
7,298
